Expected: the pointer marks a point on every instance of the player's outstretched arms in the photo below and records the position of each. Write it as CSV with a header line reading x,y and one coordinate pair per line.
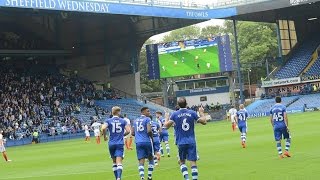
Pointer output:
x,y
202,120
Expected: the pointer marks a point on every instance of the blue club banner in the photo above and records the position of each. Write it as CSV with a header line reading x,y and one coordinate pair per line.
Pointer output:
x,y
225,56
119,8
153,61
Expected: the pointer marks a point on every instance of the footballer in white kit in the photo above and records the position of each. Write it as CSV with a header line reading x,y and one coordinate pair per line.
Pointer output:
x,y
87,133
96,129
233,113
128,138
2,148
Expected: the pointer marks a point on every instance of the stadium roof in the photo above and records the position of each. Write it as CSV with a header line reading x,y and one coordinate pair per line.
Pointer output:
x,y
300,11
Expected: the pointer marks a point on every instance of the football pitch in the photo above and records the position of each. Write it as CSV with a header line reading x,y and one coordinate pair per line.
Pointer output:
x,y
221,156
189,62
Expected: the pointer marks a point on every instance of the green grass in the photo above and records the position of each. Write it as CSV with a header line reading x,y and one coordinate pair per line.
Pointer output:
x,y
189,66
222,157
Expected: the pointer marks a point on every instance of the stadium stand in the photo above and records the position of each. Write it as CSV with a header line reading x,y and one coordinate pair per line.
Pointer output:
x,y
262,106
314,69
36,101
299,102
53,104
299,59
131,107
306,100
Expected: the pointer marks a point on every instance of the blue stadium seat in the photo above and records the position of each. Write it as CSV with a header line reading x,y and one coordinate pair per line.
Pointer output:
x,y
309,100
314,69
299,60
262,106
294,102
131,107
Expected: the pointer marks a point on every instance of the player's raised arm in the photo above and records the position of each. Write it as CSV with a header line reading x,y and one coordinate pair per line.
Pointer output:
x,y
168,123
202,120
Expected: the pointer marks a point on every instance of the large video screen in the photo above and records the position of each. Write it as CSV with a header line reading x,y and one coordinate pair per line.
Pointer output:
x,y
189,57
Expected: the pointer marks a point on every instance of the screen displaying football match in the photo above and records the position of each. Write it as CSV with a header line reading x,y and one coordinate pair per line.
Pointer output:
x,y
189,57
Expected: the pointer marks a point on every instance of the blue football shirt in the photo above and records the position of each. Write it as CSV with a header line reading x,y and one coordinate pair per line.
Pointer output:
x,y
242,117
277,112
155,131
140,129
184,120
116,127
164,130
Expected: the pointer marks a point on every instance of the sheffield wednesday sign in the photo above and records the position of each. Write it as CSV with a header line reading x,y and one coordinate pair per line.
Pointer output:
x,y
64,5
120,8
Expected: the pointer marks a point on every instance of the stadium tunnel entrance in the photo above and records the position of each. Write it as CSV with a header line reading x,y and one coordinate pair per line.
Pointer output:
x,y
102,48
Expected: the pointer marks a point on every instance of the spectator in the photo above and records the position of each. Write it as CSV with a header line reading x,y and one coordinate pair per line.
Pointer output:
x,y
35,137
42,101
315,89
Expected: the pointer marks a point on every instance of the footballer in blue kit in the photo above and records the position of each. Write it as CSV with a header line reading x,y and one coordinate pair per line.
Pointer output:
x,y
184,122
117,128
141,130
164,135
156,130
279,122
241,118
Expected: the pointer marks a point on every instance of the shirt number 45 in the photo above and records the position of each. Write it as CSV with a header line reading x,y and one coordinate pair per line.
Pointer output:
x,y
278,116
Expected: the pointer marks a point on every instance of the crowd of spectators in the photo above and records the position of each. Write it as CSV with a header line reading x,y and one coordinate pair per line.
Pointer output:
x,y
208,107
46,103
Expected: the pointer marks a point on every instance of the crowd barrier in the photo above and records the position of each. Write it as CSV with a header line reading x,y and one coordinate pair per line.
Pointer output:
x,y
289,111
43,139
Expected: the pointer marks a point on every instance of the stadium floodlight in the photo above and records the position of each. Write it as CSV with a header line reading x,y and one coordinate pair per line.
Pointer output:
x,y
312,19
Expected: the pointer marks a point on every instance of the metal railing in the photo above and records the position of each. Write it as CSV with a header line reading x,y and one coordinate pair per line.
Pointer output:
x,y
43,138
187,5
